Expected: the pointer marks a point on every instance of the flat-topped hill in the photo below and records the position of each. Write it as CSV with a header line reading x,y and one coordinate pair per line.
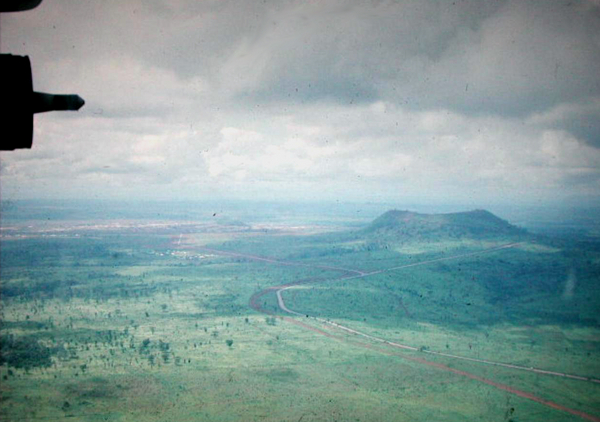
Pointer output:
x,y
477,223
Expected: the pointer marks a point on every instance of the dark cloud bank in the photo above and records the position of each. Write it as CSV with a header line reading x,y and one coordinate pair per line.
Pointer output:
x,y
460,84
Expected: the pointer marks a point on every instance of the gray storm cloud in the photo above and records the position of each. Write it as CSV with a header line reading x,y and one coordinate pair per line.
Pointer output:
x,y
480,100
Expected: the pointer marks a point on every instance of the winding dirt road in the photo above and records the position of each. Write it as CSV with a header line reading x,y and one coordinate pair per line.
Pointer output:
x,y
349,274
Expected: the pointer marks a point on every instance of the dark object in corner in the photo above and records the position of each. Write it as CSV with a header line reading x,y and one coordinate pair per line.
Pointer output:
x,y
21,102
18,5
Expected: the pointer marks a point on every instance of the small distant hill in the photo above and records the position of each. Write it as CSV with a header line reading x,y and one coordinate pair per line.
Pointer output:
x,y
478,224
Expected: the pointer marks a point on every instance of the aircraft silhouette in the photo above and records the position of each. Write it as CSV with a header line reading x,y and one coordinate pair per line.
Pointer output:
x,y
21,102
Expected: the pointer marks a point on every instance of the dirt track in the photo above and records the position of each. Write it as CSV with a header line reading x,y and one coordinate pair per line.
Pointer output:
x,y
355,274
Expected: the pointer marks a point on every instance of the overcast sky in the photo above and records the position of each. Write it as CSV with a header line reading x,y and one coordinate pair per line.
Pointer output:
x,y
412,101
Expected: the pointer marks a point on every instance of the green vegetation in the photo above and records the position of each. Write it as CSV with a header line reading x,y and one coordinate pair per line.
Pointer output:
x,y
123,325
23,352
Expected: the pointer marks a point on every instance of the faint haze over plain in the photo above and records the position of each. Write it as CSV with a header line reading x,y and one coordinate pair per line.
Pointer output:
x,y
427,102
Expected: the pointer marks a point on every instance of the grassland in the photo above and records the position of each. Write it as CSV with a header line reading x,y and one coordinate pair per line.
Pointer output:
x,y
123,325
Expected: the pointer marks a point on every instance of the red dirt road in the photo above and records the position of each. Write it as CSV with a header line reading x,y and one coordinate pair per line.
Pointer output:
x,y
351,274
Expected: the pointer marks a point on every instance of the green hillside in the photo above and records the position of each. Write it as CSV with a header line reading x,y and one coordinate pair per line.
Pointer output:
x,y
122,323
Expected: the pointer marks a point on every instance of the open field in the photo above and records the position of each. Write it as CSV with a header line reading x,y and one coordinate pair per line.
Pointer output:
x,y
129,325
